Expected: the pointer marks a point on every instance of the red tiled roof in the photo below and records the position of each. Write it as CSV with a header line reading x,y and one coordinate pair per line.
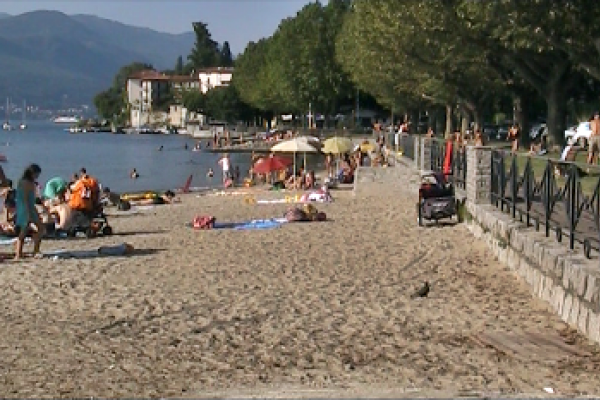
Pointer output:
x,y
215,69
152,75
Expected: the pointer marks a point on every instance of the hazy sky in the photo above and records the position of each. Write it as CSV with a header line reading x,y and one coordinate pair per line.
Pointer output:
x,y
238,21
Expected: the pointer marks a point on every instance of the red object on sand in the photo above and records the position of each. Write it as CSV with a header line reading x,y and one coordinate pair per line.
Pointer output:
x,y
270,164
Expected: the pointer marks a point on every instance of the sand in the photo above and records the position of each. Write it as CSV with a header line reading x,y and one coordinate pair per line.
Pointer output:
x,y
305,310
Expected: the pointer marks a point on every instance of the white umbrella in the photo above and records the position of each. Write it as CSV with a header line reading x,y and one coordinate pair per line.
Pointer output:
x,y
296,145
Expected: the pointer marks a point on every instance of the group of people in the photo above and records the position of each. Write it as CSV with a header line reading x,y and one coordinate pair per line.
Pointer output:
x,y
32,211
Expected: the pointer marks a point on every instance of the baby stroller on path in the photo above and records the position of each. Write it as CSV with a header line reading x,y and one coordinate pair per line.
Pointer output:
x,y
437,199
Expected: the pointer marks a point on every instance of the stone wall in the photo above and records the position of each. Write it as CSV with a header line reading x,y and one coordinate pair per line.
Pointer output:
x,y
567,281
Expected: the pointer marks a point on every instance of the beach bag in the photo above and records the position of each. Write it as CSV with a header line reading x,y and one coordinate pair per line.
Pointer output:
x,y
295,215
203,222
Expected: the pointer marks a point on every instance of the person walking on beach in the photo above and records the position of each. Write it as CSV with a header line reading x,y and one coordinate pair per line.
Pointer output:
x,y
225,165
594,142
27,216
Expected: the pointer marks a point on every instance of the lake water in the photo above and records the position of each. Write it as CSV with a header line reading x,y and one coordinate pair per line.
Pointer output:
x,y
110,158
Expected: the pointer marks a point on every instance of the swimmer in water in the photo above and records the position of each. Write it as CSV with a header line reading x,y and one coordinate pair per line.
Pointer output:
x,y
185,146
161,148
210,173
134,174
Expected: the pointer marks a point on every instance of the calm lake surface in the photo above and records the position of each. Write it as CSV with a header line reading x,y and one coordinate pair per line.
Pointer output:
x,y
110,157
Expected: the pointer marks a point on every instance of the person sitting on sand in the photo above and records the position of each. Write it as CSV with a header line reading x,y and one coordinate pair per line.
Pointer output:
x,y
7,227
110,198
309,180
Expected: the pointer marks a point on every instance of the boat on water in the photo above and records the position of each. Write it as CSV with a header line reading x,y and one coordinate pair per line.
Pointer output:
x,y
66,120
7,126
23,124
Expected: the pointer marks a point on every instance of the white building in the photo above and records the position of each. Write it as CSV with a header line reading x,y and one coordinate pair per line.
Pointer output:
x,y
214,77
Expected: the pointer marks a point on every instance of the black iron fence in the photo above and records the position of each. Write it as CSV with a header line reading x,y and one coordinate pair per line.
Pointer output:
x,y
454,165
561,196
407,145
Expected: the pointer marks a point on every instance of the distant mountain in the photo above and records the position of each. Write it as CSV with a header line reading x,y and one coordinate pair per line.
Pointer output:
x,y
55,60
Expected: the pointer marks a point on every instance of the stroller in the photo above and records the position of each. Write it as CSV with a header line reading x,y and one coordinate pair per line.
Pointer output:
x,y
90,223
90,220
436,198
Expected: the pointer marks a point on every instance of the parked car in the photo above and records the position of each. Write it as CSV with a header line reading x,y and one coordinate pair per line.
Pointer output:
x,y
537,131
579,134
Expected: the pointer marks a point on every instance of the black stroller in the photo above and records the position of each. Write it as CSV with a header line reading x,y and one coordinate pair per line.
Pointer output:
x,y
437,199
91,224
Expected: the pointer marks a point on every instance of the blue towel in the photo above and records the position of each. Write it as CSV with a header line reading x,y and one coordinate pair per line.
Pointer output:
x,y
250,225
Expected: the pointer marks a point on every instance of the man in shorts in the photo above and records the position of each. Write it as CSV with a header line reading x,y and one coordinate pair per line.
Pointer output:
x,y
594,142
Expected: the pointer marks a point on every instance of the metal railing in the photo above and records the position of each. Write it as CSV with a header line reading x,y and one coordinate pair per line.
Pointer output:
x,y
407,145
458,162
558,195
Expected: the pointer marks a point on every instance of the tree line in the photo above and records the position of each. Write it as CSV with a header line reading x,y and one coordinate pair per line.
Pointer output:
x,y
453,57
460,60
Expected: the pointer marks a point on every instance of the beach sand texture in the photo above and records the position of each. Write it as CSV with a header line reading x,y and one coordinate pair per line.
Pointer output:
x,y
308,309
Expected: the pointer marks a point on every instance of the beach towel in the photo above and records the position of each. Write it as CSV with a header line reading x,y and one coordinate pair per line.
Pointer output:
x,y
257,224
104,251
8,240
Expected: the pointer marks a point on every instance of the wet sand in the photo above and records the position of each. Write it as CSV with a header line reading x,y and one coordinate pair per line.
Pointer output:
x,y
304,310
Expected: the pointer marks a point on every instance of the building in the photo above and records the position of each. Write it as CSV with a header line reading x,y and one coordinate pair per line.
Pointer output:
x,y
210,78
148,90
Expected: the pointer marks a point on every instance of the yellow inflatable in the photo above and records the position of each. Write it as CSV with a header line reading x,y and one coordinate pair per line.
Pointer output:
x,y
139,196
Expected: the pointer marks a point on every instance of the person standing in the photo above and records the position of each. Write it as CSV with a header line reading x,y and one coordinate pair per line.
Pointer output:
x,y
594,142
513,137
27,216
225,165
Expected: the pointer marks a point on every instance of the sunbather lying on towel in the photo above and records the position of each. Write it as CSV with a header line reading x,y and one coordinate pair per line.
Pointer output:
x,y
321,195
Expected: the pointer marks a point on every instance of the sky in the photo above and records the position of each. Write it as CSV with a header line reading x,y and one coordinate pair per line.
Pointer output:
x,y
237,21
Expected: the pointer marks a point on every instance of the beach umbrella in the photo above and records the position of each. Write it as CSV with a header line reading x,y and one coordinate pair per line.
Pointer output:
x,y
267,165
296,145
337,145
367,147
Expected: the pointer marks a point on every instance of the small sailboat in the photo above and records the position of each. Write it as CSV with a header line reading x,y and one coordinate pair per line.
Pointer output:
x,y
23,125
6,126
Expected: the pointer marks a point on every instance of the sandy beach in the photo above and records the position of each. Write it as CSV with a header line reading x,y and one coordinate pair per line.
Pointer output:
x,y
307,309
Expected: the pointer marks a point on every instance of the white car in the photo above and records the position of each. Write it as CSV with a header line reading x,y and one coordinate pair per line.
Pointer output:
x,y
579,134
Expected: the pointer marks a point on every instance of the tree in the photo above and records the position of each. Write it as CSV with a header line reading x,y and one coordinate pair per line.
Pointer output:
x,y
223,103
225,56
206,51
179,66
194,100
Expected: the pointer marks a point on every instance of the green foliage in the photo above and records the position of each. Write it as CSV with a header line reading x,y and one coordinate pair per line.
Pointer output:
x,y
179,66
194,100
226,58
112,103
296,66
224,104
206,51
